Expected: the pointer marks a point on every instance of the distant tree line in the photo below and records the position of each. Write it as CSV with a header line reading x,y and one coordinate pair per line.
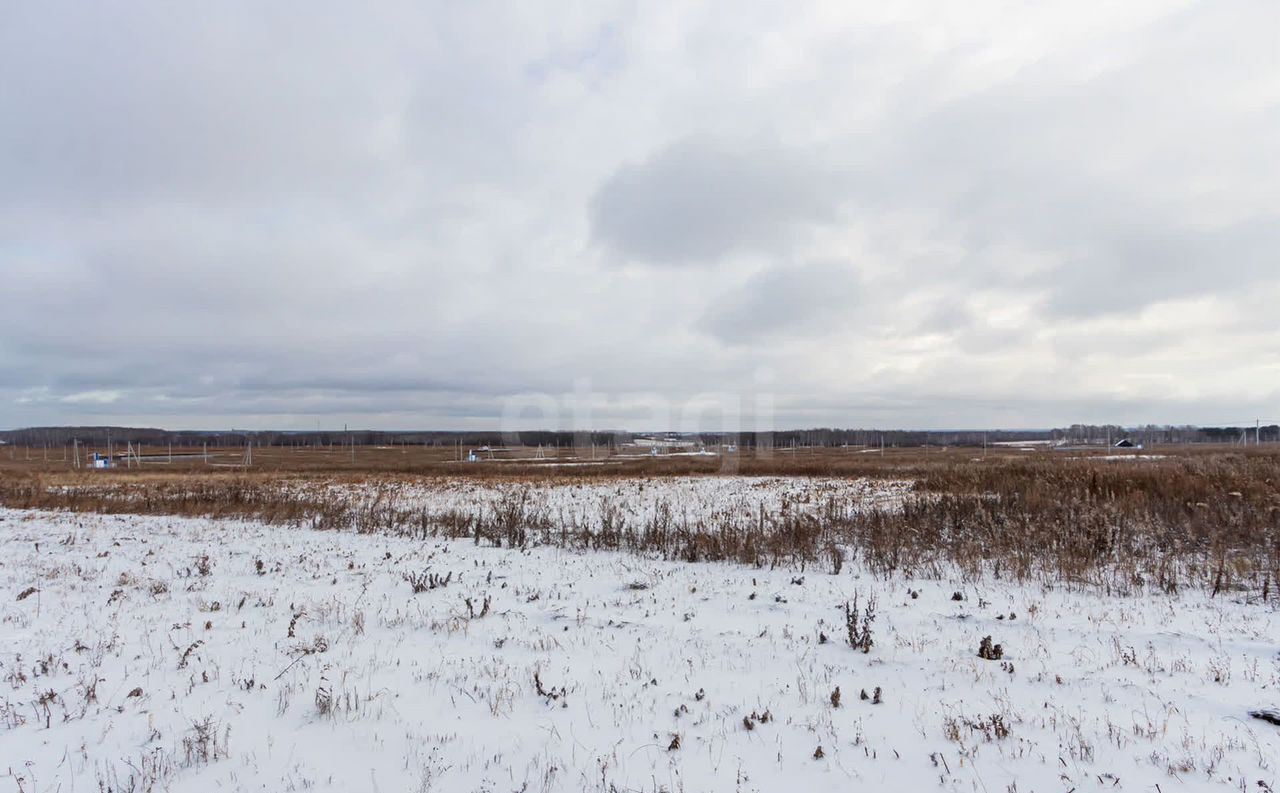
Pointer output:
x,y
1152,434
98,436
1076,434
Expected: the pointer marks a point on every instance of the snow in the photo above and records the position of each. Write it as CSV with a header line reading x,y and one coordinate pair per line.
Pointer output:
x,y
380,689
689,498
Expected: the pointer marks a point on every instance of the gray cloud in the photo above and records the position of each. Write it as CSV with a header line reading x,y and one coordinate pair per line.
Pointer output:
x,y
410,216
785,302
697,200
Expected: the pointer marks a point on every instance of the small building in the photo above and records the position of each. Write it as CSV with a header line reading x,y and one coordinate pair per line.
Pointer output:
x,y
1125,443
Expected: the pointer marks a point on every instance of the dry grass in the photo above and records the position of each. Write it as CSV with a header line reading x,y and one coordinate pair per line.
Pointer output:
x,y
1201,518
566,462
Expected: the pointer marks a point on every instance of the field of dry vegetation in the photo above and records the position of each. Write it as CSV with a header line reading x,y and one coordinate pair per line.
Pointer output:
x,y
1168,519
820,620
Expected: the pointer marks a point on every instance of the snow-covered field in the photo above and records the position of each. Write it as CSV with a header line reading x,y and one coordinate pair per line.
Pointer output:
x,y
194,655
692,499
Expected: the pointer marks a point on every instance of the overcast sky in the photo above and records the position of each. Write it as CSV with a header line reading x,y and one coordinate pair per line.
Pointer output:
x,y
444,215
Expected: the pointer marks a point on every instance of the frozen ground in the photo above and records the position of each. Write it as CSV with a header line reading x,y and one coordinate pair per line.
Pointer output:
x,y
192,655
